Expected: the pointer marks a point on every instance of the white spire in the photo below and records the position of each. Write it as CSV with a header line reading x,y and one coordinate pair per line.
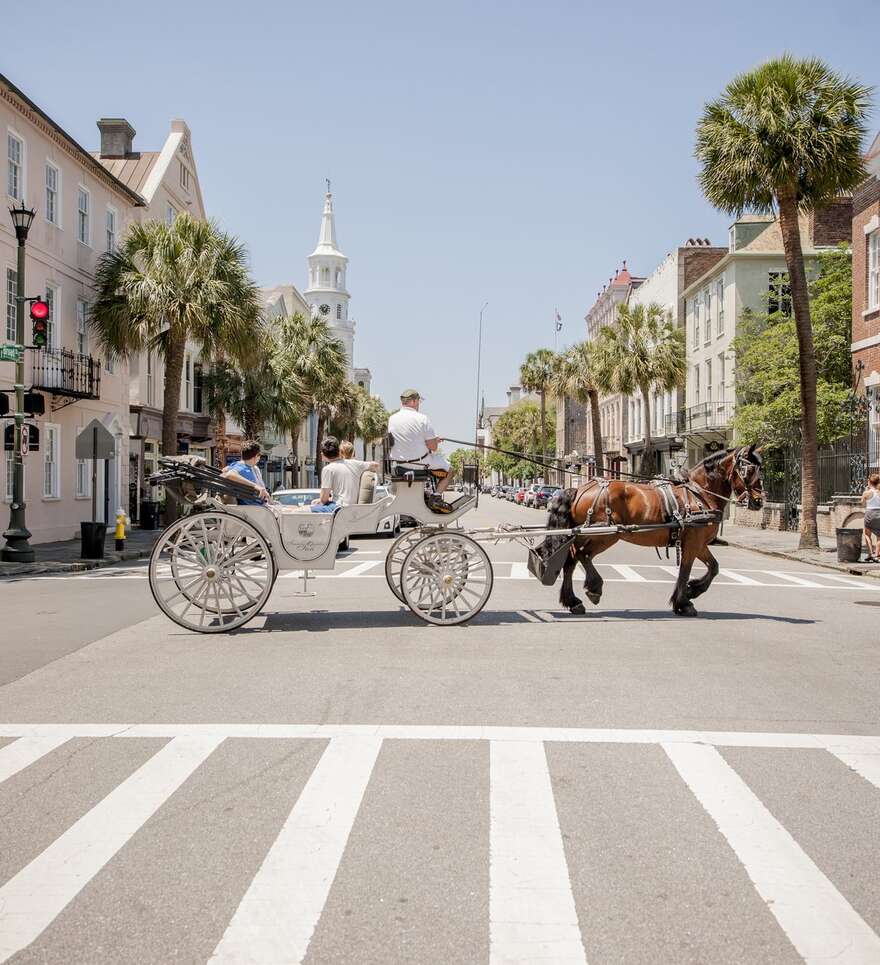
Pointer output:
x,y
327,237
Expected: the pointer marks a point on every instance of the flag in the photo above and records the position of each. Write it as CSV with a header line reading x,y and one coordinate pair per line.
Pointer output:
x,y
558,321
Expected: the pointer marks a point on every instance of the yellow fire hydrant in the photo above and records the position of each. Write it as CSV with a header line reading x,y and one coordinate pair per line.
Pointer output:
x,y
120,530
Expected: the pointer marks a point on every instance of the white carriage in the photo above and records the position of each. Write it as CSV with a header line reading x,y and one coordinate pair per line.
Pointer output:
x,y
213,569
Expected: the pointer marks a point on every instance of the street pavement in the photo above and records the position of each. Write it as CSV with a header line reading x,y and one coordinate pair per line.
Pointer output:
x,y
338,782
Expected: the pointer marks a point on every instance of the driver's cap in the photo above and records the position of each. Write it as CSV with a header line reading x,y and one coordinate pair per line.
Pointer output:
x,y
408,394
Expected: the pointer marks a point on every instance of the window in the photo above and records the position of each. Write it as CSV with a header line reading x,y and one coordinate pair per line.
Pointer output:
x,y
697,308
184,176
52,210
325,276
696,385
719,298
14,167
708,380
83,479
10,475
187,384
83,228
82,335
339,311
170,214
873,270
109,365
198,388
779,299
722,377
51,481
149,378
111,229
52,302
707,298
11,305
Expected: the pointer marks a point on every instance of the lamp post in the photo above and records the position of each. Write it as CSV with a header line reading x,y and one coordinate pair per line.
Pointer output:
x,y
17,548
479,359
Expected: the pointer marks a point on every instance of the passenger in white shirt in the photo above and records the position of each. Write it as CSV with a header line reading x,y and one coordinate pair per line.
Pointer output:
x,y
415,441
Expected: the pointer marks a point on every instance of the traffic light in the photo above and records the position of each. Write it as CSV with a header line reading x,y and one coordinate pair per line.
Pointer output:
x,y
40,322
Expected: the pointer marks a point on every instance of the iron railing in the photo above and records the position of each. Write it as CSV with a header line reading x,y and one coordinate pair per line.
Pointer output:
x,y
699,417
63,372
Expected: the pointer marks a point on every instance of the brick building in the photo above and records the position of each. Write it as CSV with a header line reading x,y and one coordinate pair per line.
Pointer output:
x,y
866,292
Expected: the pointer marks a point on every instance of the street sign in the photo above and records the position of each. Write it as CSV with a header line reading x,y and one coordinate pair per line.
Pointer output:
x,y
95,442
10,352
25,441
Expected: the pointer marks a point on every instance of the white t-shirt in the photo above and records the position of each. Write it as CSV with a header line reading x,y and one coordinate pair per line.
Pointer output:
x,y
410,429
343,479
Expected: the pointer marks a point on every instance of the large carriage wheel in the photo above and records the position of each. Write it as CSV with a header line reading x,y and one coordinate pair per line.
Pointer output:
x,y
211,572
395,557
446,578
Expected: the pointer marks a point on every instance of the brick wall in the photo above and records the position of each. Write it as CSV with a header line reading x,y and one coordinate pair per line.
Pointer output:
x,y
832,224
694,262
864,327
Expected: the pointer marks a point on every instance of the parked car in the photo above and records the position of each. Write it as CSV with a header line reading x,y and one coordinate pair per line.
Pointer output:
x,y
510,494
519,496
531,492
388,525
544,495
303,497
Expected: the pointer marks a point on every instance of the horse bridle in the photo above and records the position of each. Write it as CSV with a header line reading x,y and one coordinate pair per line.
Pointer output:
x,y
742,466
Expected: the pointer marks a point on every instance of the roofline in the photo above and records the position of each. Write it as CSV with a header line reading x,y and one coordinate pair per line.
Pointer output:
x,y
95,166
813,252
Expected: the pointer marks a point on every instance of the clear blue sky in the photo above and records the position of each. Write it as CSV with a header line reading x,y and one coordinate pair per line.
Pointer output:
x,y
510,152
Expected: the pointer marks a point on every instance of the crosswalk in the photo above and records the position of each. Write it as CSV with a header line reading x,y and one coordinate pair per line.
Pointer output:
x,y
532,808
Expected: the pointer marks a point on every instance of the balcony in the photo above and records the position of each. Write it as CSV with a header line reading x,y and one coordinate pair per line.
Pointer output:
x,y
67,375
704,416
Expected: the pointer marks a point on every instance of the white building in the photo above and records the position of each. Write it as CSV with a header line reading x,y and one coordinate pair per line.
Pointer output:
x,y
82,211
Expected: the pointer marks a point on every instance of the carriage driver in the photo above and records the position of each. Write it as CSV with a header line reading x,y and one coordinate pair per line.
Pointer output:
x,y
416,445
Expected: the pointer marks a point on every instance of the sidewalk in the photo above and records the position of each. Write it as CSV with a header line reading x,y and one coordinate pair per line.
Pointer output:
x,y
63,556
784,545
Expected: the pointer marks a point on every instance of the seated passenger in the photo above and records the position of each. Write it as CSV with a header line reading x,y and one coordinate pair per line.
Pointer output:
x,y
247,472
340,478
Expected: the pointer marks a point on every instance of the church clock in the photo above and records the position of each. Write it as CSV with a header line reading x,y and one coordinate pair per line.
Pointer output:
x,y
324,309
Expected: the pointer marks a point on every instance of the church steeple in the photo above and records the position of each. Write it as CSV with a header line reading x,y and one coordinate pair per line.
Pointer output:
x,y
327,237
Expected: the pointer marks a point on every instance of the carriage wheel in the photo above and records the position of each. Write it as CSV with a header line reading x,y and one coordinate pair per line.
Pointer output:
x,y
394,560
211,572
446,578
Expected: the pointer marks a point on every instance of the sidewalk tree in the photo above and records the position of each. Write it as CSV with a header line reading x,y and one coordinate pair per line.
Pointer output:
x,y
767,373
373,423
642,349
535,375
574,376
167,285
787,137
519,430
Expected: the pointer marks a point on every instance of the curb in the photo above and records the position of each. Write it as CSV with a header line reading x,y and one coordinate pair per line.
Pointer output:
x,y
783,555
11,570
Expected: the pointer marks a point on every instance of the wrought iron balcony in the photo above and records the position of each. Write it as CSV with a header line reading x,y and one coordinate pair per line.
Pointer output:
x,y
66,373
699,418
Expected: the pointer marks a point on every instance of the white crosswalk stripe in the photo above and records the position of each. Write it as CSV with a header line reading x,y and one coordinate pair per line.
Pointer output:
x,y
532,912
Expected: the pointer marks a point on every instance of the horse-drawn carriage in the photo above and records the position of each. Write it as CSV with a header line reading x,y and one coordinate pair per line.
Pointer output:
x,y
213,569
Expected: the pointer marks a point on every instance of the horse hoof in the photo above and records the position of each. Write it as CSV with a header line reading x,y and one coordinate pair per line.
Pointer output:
x,y
688,610
594,597
578,609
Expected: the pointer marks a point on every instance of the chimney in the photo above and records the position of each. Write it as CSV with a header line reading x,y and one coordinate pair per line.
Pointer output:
x,y
116,136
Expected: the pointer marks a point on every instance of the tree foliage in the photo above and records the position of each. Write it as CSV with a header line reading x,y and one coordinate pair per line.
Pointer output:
x,y
519,430
767,373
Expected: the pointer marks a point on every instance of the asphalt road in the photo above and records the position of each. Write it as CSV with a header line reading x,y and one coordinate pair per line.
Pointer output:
x,y
339,783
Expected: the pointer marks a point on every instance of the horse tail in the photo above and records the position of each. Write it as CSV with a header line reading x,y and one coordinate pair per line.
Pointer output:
x,y
559,517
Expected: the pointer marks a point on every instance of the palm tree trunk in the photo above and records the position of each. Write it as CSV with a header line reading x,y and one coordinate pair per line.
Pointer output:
x,y
648,468
596,420
319,438
294,452
800,300
170,406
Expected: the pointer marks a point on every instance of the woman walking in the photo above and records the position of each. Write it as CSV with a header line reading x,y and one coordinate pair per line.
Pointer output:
x,y
871,502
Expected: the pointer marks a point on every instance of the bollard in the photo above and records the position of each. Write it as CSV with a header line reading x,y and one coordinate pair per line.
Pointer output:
x,y
120,531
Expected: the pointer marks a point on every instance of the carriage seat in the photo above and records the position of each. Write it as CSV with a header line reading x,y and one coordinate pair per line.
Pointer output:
x,y
406,474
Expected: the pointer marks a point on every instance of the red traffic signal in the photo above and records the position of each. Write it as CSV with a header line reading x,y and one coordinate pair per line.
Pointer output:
x,y
40,321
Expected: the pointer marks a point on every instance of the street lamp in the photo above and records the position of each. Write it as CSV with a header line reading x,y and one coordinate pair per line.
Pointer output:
x,y
17,548
479,359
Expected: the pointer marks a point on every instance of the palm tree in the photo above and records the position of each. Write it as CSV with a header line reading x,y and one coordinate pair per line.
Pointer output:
x,y
311,361
574,376
373,422
787,136
535,375
641,350
167,285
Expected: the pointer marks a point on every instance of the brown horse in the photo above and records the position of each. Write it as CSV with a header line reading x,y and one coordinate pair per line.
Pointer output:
x,y
731,476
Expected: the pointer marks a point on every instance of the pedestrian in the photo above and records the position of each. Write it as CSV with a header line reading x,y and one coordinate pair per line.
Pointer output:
x,y
871,502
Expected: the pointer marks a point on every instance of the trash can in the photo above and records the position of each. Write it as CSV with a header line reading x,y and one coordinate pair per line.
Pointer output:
x,y
92,535
149,514
849,545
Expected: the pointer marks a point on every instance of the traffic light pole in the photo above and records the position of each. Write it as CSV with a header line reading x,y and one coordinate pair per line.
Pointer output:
x,y
17,548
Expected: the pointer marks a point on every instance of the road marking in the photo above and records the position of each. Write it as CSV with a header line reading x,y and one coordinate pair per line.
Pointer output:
x,y
818,920
867,765
33,898
25,751
532,916
528,617
847,581
359,569
628,573
739,578
277,915
796,580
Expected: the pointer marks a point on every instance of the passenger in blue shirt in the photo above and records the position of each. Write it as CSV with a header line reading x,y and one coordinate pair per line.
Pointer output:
x,y
247,472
